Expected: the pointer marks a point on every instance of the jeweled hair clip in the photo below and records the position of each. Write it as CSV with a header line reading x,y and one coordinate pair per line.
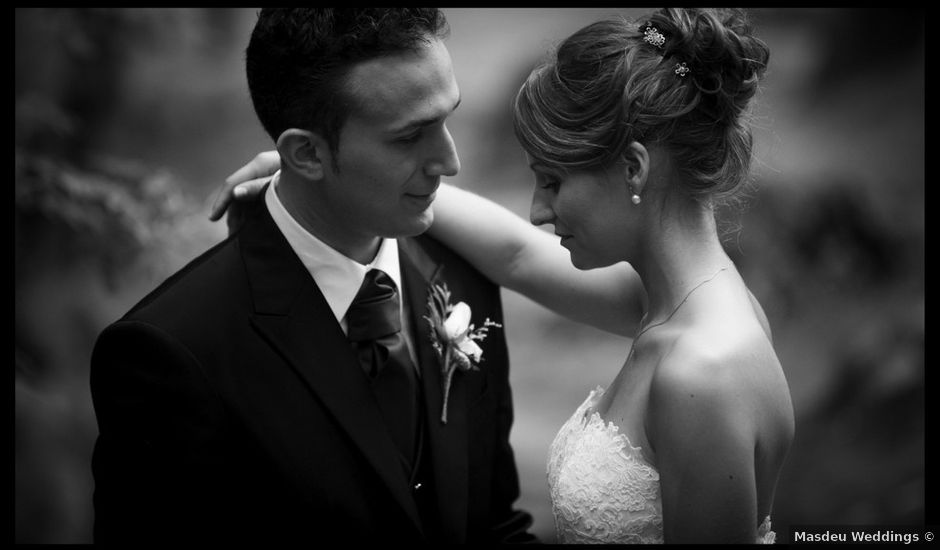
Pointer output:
x,y
652,36
682,69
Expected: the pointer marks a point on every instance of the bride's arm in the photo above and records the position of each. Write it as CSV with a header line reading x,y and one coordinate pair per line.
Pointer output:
x,y
515,254
504,247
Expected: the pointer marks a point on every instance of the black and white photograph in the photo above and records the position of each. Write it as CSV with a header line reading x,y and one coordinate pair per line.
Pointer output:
x,y
468,275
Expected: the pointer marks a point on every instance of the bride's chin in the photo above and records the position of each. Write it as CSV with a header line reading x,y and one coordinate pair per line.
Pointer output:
x,y
586,264
580,263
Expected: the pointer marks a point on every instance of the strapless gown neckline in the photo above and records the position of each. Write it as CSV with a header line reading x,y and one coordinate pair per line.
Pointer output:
x,y
602,488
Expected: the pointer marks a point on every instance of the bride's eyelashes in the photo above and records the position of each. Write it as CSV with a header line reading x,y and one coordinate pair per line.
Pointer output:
x,y
409,138
547,181
551,185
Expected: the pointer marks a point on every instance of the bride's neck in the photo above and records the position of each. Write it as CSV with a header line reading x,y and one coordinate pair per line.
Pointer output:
x,y
680,253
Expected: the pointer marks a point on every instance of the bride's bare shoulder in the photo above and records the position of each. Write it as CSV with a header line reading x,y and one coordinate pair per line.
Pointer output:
x,y
761,316
728,363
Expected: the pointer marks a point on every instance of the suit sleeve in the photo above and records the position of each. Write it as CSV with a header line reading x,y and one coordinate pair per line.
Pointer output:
x,y
156,460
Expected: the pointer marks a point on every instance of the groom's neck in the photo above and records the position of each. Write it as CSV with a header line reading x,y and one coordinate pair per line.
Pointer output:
x,y
322,220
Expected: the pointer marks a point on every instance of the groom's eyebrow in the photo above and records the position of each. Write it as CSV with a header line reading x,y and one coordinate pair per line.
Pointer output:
x,y
422,122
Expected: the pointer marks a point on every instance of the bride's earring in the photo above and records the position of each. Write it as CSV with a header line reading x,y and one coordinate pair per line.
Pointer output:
x,y
635,198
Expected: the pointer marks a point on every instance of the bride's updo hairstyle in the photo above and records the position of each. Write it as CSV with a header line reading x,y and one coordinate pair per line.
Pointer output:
x,y
681,79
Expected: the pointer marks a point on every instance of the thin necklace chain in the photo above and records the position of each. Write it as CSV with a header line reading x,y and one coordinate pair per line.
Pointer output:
x,y
637,337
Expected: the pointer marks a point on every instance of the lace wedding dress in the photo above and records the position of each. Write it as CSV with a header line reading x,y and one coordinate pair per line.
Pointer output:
x,y
602,489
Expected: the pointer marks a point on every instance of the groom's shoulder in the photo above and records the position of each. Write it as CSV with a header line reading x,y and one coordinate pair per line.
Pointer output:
x,y
450,262
211,283
464,281
196,288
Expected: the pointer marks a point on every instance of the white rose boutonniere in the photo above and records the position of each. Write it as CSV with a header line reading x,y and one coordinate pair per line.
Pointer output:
x,y
453,337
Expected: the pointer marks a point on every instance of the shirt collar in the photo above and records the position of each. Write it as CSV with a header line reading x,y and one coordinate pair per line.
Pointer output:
x,y
338,276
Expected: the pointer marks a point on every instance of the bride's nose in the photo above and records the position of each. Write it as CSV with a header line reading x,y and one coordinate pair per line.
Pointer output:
x,y
541,210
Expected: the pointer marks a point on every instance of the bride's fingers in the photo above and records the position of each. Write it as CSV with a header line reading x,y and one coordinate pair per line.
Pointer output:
x,y
221,200
265,163
250,188
235,190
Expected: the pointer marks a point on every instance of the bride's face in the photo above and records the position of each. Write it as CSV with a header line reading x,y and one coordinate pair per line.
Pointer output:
x,y
590,212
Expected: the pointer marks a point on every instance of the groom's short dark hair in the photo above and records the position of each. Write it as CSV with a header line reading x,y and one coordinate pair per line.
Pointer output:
x,y
298,59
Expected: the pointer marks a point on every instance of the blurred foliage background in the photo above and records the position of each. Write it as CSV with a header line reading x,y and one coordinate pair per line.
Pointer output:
x,y
127,121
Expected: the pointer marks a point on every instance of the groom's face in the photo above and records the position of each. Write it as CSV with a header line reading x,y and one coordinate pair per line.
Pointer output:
x,y
394,147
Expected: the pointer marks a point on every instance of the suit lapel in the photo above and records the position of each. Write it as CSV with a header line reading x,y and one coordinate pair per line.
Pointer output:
x,y
294,317
448,442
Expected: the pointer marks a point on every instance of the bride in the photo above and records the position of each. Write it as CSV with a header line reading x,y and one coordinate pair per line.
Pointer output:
x,y
635,132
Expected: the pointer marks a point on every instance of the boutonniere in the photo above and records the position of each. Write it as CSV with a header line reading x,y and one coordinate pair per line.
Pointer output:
x,y
453,337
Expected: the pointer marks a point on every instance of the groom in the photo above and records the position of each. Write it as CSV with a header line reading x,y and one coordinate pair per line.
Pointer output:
x,y
283,385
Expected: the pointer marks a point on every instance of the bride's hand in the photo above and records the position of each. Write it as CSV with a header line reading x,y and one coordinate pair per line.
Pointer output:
x,y
244,184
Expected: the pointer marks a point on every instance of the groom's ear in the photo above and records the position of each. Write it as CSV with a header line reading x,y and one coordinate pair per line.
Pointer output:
x,y
636,167
304,153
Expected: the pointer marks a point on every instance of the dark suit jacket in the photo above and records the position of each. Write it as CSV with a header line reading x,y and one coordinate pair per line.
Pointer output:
x,y
231,408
